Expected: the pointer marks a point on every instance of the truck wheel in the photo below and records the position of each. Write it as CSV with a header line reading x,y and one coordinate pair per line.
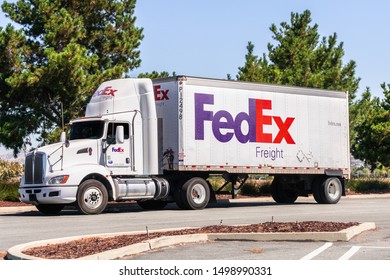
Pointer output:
x,y
331,190
92,197
275,191
281,193
317,193
178,195
194,194
50,209
152,204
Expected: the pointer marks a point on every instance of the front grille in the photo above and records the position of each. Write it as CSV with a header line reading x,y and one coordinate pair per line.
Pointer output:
x,y
28,169
34,168
38,169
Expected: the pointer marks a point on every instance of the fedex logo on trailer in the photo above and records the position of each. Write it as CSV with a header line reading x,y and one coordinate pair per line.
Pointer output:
x,y
225,126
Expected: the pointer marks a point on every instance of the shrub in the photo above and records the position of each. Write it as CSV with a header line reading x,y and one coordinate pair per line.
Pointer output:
x,y
10,173
217,182
256,187
369,185
10,170
252,187
9,191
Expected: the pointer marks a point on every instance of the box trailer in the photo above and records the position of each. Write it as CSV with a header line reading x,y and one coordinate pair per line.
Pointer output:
x,y
159,141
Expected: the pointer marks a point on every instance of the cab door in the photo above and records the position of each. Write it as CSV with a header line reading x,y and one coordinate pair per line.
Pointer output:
x,y
118,155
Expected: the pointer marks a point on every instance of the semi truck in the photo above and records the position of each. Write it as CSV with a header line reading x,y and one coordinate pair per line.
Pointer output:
x,y
158,142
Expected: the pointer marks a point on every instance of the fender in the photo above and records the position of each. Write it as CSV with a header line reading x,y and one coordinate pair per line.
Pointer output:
x,y
79,173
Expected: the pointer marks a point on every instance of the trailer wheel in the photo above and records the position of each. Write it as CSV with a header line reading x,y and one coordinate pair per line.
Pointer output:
x,y
281,193
50,209
194,194
152,204
92,197
331,190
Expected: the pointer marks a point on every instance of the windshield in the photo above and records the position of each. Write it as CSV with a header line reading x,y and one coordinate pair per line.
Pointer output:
x,y
87,130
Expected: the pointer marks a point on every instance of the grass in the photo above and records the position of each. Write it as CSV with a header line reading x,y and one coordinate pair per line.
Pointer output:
x,y
9,191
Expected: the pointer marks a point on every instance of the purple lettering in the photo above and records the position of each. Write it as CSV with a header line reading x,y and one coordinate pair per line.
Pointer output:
x,y
224,126
251,121
200,114
218,124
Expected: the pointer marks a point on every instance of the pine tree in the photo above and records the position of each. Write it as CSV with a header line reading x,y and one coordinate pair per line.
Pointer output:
x,y
63,51
300,58
370,117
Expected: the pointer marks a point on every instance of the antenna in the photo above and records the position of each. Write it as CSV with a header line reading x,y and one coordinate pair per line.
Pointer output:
x,y
62,115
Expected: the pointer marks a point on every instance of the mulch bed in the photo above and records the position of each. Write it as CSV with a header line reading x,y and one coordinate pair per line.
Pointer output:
x,y
93,245
12,204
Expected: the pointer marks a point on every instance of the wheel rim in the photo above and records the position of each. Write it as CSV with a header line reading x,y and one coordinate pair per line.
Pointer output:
x,y
198,194
334,189
92,198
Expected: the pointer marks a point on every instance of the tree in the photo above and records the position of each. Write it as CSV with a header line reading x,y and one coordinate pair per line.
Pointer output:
x,y
255,69
156,75
300,58
64,50
371,138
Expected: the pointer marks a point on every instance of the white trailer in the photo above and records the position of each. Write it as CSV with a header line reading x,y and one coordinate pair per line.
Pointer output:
x,y
158,142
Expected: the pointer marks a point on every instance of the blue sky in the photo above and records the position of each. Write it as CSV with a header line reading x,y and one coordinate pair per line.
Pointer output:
x,y
208,38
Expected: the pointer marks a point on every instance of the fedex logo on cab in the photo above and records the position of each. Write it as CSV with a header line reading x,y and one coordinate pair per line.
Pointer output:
x,y
225,126
118,150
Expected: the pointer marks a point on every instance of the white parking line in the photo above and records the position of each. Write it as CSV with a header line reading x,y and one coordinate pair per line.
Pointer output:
x,y
318,251
350,253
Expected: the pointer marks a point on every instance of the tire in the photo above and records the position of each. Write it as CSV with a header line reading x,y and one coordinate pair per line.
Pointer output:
x,y
281,193
193,195
317,190
178,195
50,209
92,197
275,191
152,204
331,190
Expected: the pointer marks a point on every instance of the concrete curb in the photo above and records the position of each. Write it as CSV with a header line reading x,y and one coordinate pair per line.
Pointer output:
x,y
15,253
17,209
343,235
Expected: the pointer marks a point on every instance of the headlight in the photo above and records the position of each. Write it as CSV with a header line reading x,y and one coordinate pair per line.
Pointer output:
x,y
59,179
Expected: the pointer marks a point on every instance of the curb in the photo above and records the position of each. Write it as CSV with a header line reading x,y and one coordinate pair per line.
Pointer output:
x,y
15,253
17,209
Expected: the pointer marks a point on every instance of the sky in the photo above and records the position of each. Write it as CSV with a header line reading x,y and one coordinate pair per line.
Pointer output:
x,y
208,38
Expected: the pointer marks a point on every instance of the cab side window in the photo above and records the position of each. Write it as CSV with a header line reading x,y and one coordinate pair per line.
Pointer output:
x,y
112,130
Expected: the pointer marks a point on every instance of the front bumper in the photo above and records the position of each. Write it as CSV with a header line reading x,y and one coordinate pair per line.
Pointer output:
x,y
48,195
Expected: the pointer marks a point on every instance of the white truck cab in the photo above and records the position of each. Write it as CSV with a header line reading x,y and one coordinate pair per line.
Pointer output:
x,y
112,147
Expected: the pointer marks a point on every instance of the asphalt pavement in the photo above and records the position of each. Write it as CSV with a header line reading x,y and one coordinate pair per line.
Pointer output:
x,y
235,248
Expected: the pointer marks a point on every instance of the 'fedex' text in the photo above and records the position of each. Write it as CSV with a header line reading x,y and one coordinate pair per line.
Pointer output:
x,y
160,94
107,91
225,126
118,150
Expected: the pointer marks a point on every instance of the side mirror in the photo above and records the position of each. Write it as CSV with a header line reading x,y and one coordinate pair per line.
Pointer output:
x,y
63,137
120,134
